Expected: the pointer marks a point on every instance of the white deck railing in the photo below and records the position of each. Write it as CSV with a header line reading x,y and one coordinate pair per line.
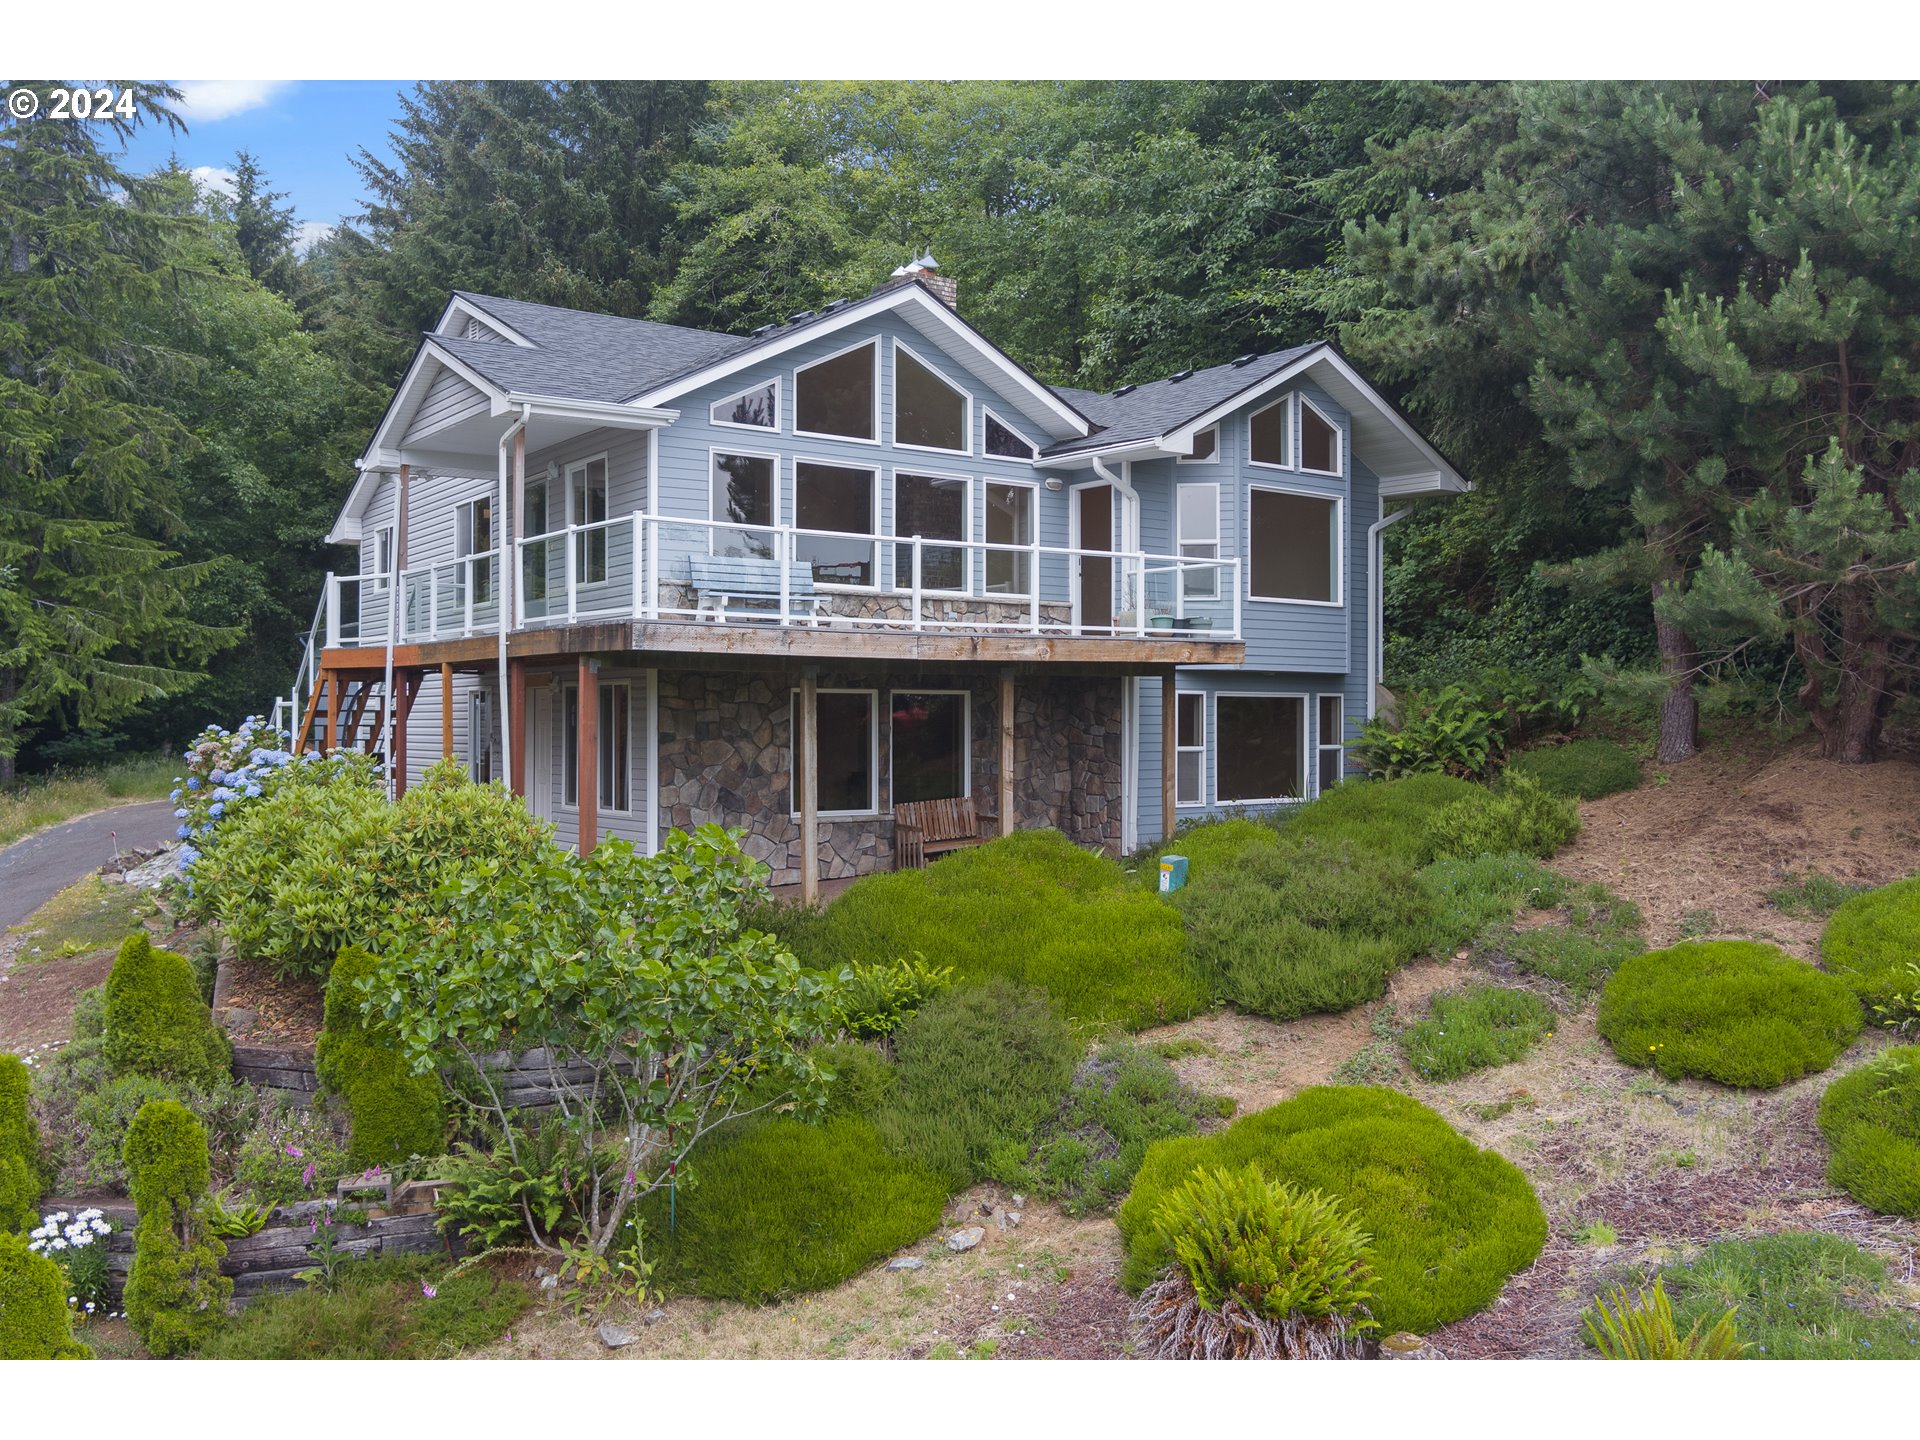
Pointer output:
x,y
638,567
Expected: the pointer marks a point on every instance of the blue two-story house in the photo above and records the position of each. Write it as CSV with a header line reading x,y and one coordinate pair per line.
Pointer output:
x,y
790,581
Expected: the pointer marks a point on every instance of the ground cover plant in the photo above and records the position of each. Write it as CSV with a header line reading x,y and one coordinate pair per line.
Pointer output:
x,y
1599,933
1871,1118
1579,769
1032,908
1207,846
1736,1011
781,1205
1797,1296
1871,939
408,1307
1628,1325
1475,1029
1449,1222
1123,1098
1390,818
92,915
1812,893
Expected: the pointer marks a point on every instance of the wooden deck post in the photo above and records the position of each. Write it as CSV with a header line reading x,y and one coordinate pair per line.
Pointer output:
x,y
587,744
446,710
1169,736
1006,751
331,679
807,767
407,682
517,704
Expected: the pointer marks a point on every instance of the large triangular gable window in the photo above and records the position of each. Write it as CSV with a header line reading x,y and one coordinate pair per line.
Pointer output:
x,y
755,409
837,396
928,412
1319,441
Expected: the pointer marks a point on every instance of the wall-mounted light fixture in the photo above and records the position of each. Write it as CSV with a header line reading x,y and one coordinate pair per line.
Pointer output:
x,y
1054,482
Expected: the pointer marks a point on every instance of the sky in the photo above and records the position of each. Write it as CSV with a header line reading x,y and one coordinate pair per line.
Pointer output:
x,y
303,133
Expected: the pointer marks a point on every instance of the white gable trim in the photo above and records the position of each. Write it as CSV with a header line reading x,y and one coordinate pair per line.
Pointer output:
x,y
461,309
900,296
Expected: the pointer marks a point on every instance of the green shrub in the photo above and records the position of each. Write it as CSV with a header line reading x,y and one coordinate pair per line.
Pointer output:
x,y
175,1295
1871,1118
876,999
1260,1270
1630,1326
1304,926
1580,769
863,1081
156,1022
1207,846
1450,1222
1473,894
289,1156
379,1311
1475,1029
35,1323
1736,1011
1800,1296
778,1207
1518,817
1031,908
1387,817
22,1175
1872,937
325,861
1447,731
1122,1100
394,1112
979,1070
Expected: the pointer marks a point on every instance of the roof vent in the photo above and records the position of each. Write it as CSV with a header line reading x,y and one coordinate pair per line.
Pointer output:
x,y
768,328
1240,360
798,316
831,306
1177,378
1125,390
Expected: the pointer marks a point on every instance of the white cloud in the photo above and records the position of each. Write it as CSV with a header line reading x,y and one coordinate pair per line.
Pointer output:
x,y
208,100
309,233
213,180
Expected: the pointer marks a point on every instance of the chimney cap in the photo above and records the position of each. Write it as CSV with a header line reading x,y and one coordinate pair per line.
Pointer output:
x,y
916,266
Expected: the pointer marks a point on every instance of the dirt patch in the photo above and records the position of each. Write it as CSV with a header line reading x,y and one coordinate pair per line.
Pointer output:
x,y
261,1008
36,1001
1700,852
65,947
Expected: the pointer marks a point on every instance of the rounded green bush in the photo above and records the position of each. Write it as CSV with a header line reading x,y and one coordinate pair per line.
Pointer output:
x,y
394,1113
779,1207
1871,1118
21,1172
863,1080
1871,940
1516,818
1208,846
1449,1222
1392,817
1580,769
156,1021
166,1155
175,1295
1736,1011
35,1323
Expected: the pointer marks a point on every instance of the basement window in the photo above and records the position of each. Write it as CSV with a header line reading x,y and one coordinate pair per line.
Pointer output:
x,y
930,733
1262,748
849,752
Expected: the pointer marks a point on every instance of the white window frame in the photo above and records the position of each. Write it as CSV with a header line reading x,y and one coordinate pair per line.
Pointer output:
x,y
1292,448
714,452
1206,730
779,411
873,752
1320,742
876,538
464,517
799,370
1213,724
382,559
903,585
966,734
966,399
1213,459
989,413
1339,503
1300,445
580,538
1181,541
600,772
1032,487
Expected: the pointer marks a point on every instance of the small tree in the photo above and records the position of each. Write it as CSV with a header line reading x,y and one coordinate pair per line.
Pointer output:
x,y
176,1295
660,1015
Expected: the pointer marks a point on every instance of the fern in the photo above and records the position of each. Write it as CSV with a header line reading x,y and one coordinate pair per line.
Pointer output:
x,y
1628,1326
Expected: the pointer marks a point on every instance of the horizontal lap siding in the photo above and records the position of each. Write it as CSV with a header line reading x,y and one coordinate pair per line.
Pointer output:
x,y
551,758
628,492
449,400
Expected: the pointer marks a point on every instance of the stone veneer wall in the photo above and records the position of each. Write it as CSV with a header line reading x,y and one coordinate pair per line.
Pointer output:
x,y
725,744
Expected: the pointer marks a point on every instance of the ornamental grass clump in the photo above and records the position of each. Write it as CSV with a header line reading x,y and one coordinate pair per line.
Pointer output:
x,y
22,1174
1449,1222
176,1295
157,1023
1736,1011
394,1113
1261,1271
1870,943
35,1320
1871,1118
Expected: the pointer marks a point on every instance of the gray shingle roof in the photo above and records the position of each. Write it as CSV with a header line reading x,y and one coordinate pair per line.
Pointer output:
x,y
584,356
1149,411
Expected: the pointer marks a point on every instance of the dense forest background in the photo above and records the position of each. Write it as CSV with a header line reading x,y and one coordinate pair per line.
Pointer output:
x,y
1672,332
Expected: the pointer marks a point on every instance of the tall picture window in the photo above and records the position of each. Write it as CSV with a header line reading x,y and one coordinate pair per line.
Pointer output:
x,y
472,539
1259,742
1331,748
934,507
1009,523
614,761
743,495
1294,546
837,498
587,498
1197,523
836,396
1189,748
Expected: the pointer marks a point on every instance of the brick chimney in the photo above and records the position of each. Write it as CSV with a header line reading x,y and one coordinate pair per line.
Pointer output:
x,y
927,270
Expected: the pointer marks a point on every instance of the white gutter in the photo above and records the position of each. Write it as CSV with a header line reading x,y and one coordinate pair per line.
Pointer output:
x,y
502,545
1375,591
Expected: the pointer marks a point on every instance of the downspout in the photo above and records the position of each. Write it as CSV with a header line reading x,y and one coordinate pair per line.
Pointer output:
x,y
506,594
1375,592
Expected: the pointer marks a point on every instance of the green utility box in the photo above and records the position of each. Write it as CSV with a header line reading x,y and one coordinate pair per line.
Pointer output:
x,y
1173,873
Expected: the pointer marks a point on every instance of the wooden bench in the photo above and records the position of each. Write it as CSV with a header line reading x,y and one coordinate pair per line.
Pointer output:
x,y
923,828
719,580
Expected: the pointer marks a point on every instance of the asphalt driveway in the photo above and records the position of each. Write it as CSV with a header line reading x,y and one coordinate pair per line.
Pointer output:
x,y
34,870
